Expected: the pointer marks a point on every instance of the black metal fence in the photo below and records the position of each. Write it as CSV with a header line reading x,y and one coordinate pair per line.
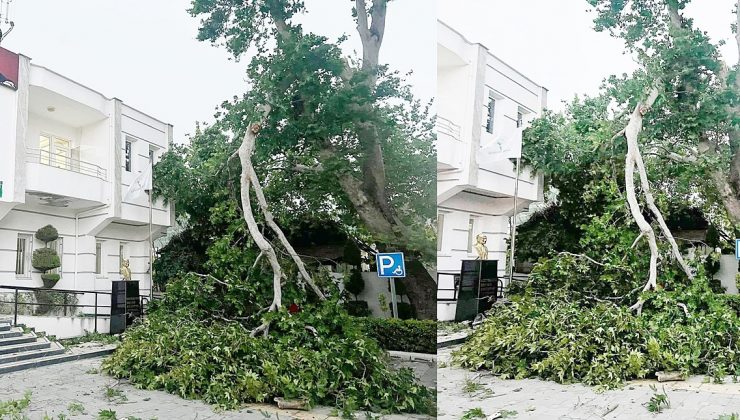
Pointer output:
x,y
97,306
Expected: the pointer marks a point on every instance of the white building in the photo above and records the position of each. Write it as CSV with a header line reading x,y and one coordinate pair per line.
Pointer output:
x,y
479,99
69,154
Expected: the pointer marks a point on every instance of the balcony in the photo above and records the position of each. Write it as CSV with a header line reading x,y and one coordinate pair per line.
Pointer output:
x,y
44,157
450,149
63,181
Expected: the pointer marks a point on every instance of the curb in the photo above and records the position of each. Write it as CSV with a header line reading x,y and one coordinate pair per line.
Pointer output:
x,y
413,357
452,342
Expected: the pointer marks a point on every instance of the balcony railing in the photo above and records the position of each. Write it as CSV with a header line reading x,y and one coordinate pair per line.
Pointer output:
x,y
68,163
445,126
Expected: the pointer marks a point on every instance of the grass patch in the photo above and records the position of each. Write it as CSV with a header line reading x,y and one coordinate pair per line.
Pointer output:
x,y
115,395
658,402
75,408
90,338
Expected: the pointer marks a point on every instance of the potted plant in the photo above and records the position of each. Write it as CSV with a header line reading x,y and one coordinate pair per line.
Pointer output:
x,y
45,259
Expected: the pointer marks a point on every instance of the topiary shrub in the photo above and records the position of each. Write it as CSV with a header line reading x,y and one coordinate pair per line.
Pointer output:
x,y
47,234
45,259
410,335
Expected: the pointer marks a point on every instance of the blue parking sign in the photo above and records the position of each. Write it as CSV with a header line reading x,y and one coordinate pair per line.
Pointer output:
x,y
737,249
390,264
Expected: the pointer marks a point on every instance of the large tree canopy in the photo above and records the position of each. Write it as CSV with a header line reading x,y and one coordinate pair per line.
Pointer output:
x,y
345,140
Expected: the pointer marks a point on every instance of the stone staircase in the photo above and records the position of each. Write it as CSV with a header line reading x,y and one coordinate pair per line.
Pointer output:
x,y
20,350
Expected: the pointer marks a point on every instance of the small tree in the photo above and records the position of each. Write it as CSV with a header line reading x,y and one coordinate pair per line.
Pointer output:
x,y
45,259
355,284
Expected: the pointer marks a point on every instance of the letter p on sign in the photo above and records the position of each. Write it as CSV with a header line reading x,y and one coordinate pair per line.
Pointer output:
x,y
391,264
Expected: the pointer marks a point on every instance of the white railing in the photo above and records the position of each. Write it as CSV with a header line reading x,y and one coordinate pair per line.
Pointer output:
x,y
44,157
445,126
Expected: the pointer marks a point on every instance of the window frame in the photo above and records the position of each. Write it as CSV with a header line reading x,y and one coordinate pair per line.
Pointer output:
x,y
490,113
128,152
471,231
52,153
26,252
99,264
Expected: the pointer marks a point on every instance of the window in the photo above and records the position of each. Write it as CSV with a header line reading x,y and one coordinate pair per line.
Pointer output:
x,y
440,229
23,255
98,258
519,119
55,151
491,110
127,156
58,246
121,253
471,239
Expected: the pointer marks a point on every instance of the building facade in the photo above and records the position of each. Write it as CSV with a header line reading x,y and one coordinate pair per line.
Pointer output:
x,y
479,99
69,154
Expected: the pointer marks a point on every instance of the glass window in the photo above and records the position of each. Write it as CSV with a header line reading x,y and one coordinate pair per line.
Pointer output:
x,y
55,151
127,156
23,255
98,257
491,112
519,119
471,239
440,229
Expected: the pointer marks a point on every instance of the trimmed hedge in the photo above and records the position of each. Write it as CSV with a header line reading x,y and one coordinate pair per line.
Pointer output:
x,y
410,335
357,308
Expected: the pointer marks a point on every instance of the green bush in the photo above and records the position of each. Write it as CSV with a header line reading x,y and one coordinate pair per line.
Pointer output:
x,y
405,310
402,335
220,363
45,259
357,308
51,277
354,283
47,234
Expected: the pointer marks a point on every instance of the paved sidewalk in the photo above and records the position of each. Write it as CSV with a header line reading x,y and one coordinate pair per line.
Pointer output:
x,y
55,387
537,399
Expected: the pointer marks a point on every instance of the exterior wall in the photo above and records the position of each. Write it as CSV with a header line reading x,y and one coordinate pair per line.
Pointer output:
x,y
92,208
467,75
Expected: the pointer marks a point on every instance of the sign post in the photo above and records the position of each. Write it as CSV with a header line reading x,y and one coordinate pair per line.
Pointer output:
x,y
391,265
737,249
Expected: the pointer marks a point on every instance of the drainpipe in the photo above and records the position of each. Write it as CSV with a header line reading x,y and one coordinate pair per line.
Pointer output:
x,y
77,233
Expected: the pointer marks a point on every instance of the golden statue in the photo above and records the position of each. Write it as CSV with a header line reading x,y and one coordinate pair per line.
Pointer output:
x,y
480,246
125,271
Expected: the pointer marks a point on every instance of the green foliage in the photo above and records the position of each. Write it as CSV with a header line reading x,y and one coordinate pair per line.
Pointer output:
x,y
658,401
565,338
75,408
49,301
358,308
473,413
225,366
51,277
355,284
90,337
405,310
403,335
45,259
107,414
14,408
47,234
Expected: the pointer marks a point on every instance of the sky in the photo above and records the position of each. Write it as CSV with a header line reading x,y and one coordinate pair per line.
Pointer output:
x,y
145,52
554,44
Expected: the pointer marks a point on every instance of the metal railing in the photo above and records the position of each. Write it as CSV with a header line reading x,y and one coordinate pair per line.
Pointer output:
x,y
96,306
445,126
455,281
65,162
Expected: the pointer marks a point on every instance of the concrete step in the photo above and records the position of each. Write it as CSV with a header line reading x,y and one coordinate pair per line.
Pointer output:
x,y
13,332
4,326
50,360
40,343
23,338
53,350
